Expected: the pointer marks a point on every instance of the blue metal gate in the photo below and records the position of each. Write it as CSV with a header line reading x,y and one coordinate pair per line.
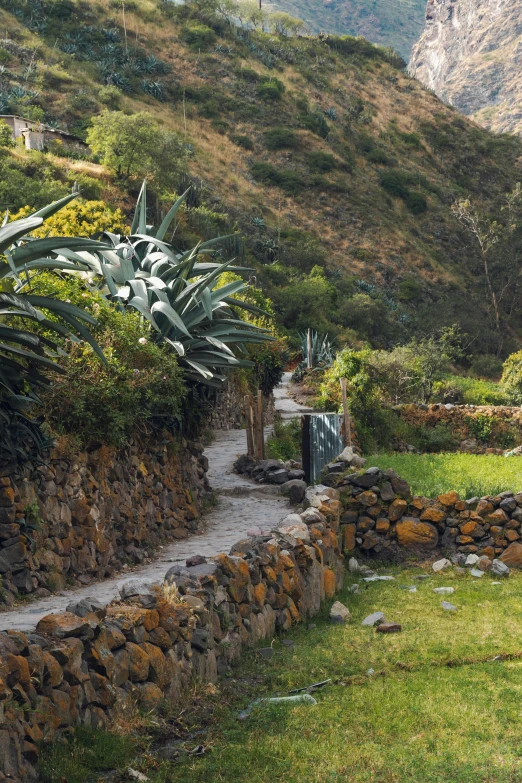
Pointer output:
x,y
322,442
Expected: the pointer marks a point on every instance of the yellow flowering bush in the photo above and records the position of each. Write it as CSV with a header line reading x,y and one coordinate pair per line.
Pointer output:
x,y
80,218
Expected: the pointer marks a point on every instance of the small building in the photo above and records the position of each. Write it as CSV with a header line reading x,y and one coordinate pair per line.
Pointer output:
x,y
37,134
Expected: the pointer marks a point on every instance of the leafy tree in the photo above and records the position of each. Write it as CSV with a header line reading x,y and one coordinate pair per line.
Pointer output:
x,y
136,146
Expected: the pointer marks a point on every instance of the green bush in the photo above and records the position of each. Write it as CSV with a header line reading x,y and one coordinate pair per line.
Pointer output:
x,y
139,388
242,141
249,75
286,179
379,157
321,161
315,123
435,440
486,366
396,183
5,57
511,380
411,139
270,90
285,443
482,427
198,36
416,203
281,138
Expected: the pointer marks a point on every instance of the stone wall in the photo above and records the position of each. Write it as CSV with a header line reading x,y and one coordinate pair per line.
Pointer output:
x,y
477,429
381,516
91,663
82,516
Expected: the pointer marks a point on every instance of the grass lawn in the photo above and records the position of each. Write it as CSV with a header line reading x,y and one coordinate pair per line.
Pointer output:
x,y
438,708
471,475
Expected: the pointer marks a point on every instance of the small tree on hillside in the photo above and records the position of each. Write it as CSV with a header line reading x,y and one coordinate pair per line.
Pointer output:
x,y
134,145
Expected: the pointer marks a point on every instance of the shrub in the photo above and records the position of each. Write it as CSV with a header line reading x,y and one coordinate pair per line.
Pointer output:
x,y
411,139
110,96
486,366
285,443
438,439
286,179
242,141
379,157
5,57
321,161
281,138
249,75
139,388
6,137
315,123
198,36
416,203
511,380
270,90
80,218
396,183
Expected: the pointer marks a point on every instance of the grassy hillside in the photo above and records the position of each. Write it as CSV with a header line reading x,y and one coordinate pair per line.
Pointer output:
x,y
337,167
396,23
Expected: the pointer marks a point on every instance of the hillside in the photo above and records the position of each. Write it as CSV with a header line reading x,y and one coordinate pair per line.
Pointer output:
x,y
395,23
469,55
338,168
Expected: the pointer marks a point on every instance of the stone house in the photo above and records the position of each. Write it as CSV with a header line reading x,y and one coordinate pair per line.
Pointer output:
x,y
37,135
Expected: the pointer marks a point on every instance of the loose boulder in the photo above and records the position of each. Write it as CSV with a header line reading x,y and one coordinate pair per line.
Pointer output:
x,y
339,613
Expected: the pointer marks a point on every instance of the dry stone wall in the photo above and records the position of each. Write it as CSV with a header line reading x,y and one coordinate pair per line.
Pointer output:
x,y
381,516
81,517
91,663
477,429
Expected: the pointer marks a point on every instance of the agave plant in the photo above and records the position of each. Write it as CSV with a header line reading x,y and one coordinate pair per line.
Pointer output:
x,y
26,355
178,293
317,352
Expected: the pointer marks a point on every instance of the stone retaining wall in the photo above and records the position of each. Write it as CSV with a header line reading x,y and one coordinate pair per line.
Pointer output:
x,y
81,517
89,664
477,429
380,515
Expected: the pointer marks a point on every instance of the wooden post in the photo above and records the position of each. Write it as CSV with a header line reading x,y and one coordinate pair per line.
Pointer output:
x,y
249,427
309,357
347,421
260,428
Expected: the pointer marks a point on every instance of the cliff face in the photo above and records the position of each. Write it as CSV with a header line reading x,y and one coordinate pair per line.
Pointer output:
x,y
396,23
470,54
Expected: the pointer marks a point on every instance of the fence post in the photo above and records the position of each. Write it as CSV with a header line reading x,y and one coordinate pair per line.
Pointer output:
x,y
260,428
346,412
305,447
249,425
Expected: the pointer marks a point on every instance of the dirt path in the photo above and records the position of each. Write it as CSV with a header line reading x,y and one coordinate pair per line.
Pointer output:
x,y
241,506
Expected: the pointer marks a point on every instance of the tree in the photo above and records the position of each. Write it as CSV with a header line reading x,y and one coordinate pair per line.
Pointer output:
x,y
134,145
6,136
500,250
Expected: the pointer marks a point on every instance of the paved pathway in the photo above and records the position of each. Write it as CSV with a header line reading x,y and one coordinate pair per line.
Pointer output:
x,y
241,505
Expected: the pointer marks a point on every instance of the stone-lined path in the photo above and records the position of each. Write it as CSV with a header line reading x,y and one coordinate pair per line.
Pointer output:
x,y
241,505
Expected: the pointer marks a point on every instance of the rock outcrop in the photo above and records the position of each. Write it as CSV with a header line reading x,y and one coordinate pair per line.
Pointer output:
x,y
470,54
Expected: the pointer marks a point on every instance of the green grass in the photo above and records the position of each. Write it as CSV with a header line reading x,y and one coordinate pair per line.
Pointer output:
x,y
90,751
438,708
471,475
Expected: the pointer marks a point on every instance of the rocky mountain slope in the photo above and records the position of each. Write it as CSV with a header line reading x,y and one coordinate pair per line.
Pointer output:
x,y
470,54
395,23
337,167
